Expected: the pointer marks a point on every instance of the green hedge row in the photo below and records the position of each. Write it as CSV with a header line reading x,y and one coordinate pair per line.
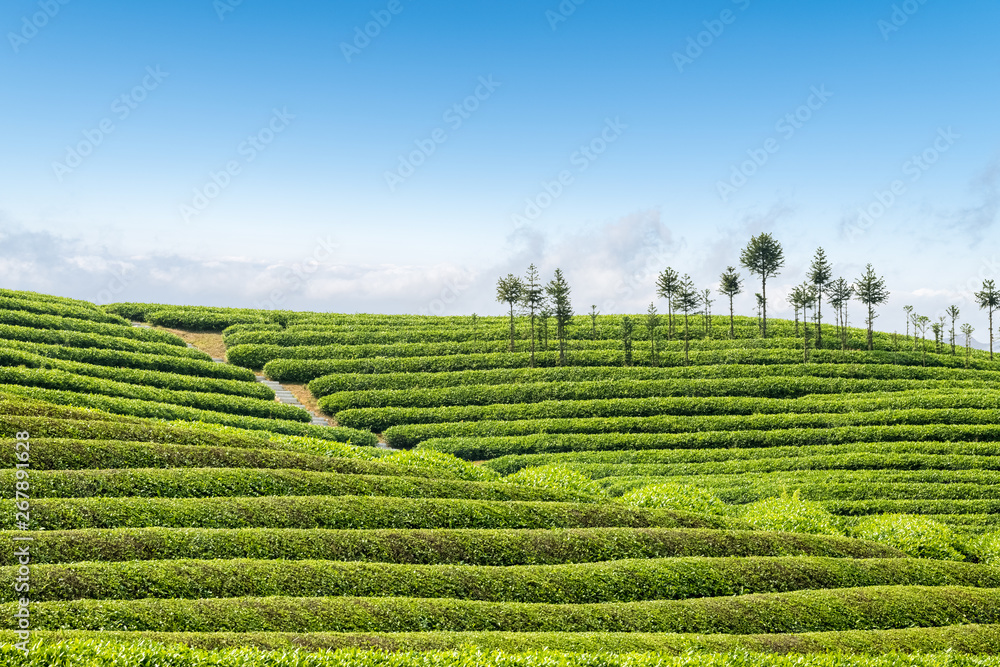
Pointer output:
x,y
873,608
586,583
478,449
339,512
21,318
92,340
253,482
768,387
304,370
226,403
256,355
78,310
945,646
492,547
952,455
330,384
411,435
43,421
740,489
152,409
144,378
296,345
914,466
911,506
77,454
379,419
200,320
133,360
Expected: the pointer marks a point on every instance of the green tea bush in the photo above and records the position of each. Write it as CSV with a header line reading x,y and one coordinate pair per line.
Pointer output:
x,y
868,608
504,649
412,434
132,360
426,459
573,583
919,536
489,447
340,512
559,478
675,496
21,318
153,409
792,514
491,546
81,339
987,547
254,406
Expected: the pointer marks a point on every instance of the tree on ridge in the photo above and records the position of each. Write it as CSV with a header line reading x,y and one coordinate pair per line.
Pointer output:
x,y
871,291
730,285
509,291
763,257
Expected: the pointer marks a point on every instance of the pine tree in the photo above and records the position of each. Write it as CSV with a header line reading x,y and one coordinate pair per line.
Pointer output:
x,y
909,316
920,323
839,293
953,313
686,301
870,290
558,293
730,285
666,287
593,321
706,301
820,274
628,329
989,299
532,300
763,257
652,323
967,332
510,291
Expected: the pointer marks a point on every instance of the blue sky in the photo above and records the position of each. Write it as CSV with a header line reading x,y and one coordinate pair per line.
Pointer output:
x,y
238,153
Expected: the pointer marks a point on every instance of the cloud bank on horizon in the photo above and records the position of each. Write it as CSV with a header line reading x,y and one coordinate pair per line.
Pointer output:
x,y
392,156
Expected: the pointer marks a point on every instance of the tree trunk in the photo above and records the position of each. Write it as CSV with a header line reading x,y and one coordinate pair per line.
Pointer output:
x,y
532,339
991,334
763,289
871,324
732,325
819,319
511,326
687,357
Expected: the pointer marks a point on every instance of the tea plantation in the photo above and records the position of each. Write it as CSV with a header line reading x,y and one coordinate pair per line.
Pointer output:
x,y
740,502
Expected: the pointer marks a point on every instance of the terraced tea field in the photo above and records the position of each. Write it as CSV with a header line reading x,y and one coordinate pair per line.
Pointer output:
x,y
745,501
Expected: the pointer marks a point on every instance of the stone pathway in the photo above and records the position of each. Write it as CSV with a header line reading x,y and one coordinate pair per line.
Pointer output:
x,y
288,398
283,395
